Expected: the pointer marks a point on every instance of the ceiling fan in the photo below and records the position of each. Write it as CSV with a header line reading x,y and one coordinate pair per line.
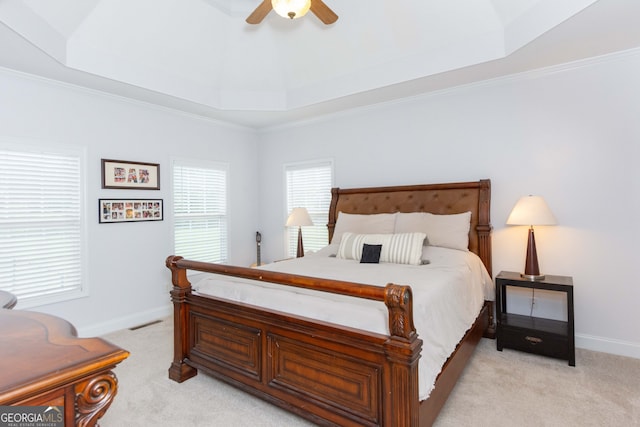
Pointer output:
x,y
318,8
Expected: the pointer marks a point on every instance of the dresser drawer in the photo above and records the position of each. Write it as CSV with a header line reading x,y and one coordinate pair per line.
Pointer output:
x,y
533,341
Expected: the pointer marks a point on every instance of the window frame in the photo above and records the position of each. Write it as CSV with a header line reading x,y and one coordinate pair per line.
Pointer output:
x,y
21,145
289,233
207,164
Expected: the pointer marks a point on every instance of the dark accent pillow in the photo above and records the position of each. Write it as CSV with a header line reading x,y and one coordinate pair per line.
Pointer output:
x,y
370,254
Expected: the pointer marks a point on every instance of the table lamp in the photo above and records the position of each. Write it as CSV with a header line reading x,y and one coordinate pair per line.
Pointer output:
x,y
531,210
299,217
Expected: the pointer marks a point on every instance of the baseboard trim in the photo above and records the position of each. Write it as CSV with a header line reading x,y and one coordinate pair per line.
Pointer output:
x,y
608,345
587,342
125,322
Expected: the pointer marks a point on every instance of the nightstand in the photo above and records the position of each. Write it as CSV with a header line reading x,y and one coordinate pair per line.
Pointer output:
x,y
548,337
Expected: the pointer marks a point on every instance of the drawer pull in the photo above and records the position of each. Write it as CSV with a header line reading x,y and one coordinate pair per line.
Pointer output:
x,y
533,340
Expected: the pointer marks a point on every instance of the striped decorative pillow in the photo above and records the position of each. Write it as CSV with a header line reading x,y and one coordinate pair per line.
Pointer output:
x,y
405,248
402,248
351,244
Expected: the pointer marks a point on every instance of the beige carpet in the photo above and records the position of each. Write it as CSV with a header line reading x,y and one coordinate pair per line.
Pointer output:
x,y
506,388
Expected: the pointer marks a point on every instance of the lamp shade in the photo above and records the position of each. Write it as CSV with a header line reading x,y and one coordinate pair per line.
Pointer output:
x,y
291,8
531,210
299,217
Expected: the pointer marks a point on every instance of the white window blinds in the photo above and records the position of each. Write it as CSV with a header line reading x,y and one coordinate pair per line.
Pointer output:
x,y
200,211
309,185
40,225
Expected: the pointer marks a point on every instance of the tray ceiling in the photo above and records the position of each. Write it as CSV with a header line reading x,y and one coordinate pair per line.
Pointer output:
x,y
200,56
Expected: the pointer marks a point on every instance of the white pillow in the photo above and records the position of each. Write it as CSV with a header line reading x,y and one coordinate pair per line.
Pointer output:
x,y
363,224
447,231
403,248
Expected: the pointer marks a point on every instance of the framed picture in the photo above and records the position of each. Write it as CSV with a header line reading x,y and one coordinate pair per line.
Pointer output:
x,y
130,175
130,210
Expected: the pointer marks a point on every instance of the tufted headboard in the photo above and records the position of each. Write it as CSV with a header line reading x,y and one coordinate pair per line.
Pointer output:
x,y
440,199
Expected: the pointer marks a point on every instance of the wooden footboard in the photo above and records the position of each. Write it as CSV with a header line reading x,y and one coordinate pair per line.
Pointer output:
x,y
328,374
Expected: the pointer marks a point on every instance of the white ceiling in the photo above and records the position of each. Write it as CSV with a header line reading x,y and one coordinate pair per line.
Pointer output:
x,y
200,56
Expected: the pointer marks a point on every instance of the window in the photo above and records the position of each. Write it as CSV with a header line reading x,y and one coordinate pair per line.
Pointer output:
x,y
200,210
41,226
309,185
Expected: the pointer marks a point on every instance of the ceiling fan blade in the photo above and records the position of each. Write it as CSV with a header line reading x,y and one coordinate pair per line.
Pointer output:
x,y
261,11
323,12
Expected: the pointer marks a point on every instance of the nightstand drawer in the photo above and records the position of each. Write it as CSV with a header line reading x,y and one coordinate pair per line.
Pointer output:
x,y
534,341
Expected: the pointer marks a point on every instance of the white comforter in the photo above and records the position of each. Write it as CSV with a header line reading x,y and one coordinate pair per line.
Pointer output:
x,y
448,295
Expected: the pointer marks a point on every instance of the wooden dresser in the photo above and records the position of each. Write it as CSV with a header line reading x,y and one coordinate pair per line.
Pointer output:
x,y
44,363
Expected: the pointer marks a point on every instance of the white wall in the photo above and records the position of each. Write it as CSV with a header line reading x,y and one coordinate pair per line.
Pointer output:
x,y
127,278
568,133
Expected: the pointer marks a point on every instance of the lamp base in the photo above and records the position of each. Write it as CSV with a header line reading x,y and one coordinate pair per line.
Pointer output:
x,y
531,269
532,277
300,252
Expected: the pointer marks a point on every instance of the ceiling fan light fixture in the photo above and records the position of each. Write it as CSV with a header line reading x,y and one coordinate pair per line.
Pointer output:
x,y
291,8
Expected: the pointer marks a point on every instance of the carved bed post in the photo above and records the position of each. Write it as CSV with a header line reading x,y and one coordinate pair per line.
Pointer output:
x,y
333,215
484,242
484,224
401,404
180,371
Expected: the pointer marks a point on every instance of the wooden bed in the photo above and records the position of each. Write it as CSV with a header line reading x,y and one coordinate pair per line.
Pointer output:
x,y
328,374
